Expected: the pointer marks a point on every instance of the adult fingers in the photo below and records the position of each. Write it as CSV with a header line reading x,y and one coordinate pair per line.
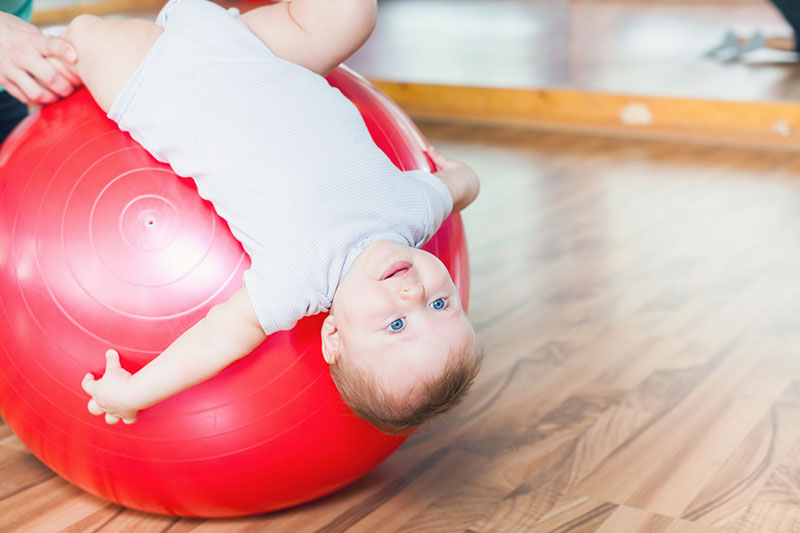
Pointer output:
x,y
34,92
112,360
48,77
14,91
61,48
66,71
94,408
111,419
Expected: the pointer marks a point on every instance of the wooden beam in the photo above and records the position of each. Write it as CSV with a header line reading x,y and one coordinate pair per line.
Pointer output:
x,y
774,124
63,14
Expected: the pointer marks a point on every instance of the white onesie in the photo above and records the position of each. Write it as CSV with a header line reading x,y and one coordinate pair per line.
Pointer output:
x,y
284,158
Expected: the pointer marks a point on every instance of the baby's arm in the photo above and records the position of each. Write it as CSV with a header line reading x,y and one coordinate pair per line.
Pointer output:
x,y
460,179
228,332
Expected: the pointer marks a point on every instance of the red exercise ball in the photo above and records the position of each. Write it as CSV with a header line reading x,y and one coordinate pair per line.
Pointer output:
x,y
102,246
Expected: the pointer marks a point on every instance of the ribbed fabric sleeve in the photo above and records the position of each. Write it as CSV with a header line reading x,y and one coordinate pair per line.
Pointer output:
x,y
284,158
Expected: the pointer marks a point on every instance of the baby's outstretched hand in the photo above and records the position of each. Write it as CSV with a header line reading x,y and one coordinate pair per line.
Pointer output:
x,y
442,162
108,393
459,178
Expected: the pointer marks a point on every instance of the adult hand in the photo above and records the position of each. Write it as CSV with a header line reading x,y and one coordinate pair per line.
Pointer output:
x,y
30,68
109,392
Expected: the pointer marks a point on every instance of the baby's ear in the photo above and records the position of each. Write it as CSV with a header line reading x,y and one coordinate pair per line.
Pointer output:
x,y
330,340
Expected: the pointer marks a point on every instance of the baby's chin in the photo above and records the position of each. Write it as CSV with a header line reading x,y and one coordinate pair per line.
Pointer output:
x,y
388,251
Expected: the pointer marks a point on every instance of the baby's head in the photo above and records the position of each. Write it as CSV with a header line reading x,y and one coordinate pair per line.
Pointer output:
x,y
398,343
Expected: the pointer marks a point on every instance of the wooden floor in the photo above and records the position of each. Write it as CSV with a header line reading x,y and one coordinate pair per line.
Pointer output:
x,y
641,306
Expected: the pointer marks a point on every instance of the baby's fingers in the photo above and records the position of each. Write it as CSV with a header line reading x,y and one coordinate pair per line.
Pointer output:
x,y
111,419
88,384
443,162
440,160
112,360
94,408
435,155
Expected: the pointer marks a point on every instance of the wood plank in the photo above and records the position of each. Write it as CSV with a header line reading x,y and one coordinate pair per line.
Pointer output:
x,y
8,440
128,520
533,474
767,516
742,475
661,486
21,470
621,422
449,473
82,510
25,505
580,515
633,520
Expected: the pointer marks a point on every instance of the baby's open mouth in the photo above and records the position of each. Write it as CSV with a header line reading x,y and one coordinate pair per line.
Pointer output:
x,y
396,268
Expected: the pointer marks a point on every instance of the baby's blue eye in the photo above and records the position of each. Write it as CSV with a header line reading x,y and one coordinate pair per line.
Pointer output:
x,y
397,325
439,303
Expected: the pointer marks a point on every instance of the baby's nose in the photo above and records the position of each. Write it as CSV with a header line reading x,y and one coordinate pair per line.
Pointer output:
x,y
412,291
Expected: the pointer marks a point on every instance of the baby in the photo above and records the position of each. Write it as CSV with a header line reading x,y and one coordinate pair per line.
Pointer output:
x,y
240,104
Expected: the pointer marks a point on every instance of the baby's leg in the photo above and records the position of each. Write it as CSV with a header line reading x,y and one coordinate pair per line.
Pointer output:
x,y
109,52
317,34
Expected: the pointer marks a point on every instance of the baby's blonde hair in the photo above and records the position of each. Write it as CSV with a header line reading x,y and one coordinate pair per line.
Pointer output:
x,y
396,415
